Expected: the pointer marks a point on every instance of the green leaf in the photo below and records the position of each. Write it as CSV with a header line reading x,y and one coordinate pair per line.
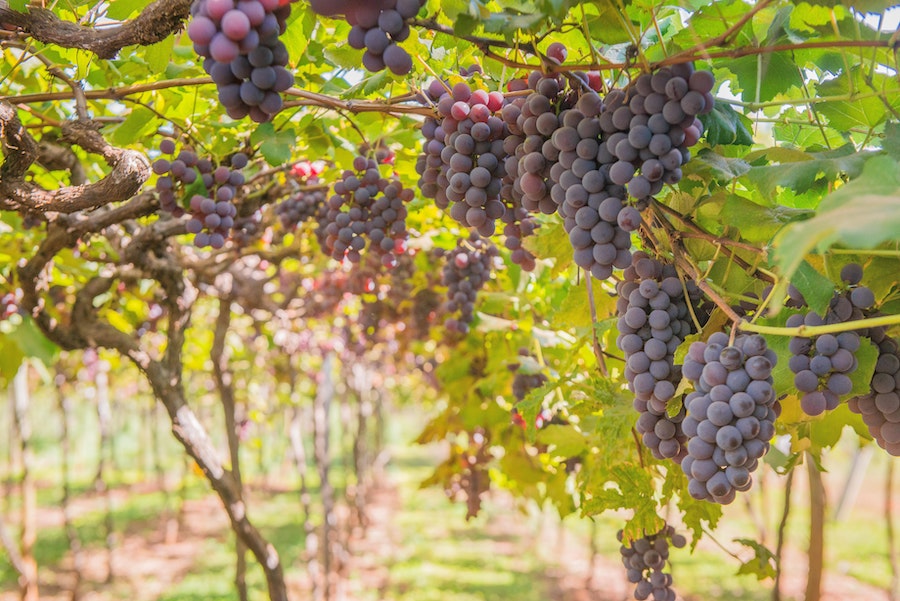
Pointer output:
x,y
755,222
11,357
891,143
860,109
568,441
34,344
773,73
124,9
159,54
275,147
551,242
724,125
861,214
762,565
137,125
815,287
800,171
723,169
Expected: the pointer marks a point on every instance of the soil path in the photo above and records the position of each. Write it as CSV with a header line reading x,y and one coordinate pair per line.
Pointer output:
x,y
148,558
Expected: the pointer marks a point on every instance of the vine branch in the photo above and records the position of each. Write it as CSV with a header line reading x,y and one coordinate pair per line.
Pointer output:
x,y
155,23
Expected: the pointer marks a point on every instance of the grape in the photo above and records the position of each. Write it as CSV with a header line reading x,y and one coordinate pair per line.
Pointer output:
x,y
645,559
557,52
523,382
852,273
650,367
366,212
302,206
210,221
467,270
734,426
377,28
879,408
821,365
243,54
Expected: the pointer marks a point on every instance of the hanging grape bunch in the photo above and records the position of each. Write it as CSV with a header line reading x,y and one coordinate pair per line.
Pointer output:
x,y
525,380
731,416
367,207
376,27
532,121
653,124
880,409
822,364
212,213
9,303
653,321
239,42
468,138
645,559
246,229
302,205
467,270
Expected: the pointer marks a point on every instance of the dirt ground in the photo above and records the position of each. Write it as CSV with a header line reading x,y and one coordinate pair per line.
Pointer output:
x,y
140,560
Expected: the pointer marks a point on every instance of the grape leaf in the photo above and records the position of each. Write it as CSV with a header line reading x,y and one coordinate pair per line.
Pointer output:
x,y
891,143
772,73
723,169
800,171
861,214
568,441
815,287
861,110
763,563
755,222
724,125
551,242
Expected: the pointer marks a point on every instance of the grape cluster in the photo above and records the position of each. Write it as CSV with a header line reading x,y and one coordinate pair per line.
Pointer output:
x,y
645,559
731,415
469,178
652,123
595,212
366,206
466,271
653,321
822,364
533,157
532,122
519,224
247,228
212,214
880,409
238,40
429,164
378,28
524,382
9,303
302,205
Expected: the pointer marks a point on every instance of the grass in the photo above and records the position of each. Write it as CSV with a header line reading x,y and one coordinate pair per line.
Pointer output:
x,y
434,554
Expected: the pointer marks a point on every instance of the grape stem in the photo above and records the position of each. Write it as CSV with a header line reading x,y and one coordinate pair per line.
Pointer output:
x,y
598,351
684,264
804,331
695,231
